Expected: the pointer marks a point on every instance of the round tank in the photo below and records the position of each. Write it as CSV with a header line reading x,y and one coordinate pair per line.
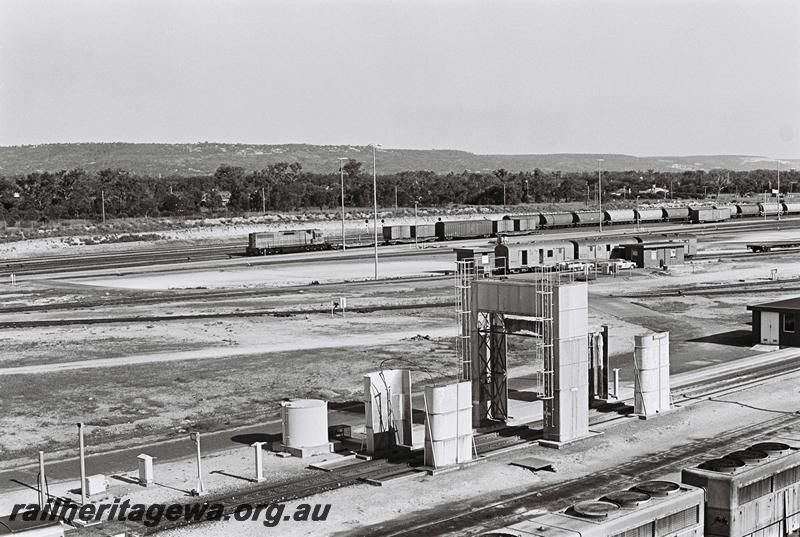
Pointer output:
x,y
305,423
651,380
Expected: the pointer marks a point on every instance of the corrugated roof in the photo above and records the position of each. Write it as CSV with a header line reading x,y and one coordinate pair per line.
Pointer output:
x,y
785,304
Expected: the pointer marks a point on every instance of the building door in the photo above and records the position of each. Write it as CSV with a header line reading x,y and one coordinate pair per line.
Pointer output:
x,y
524,255
769,327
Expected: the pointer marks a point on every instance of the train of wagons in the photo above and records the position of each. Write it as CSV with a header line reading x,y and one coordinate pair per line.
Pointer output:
x,y
753,492
299,240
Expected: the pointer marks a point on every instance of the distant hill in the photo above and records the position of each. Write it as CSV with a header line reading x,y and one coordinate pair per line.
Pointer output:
x,y
204,158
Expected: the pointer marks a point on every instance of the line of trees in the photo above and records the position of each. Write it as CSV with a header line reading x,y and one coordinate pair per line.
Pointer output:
x,y
286,187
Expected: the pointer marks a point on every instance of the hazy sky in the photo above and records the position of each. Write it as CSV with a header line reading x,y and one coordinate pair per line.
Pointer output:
x,y
639,77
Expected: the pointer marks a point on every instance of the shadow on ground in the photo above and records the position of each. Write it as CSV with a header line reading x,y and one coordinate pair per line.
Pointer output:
x,y
734,338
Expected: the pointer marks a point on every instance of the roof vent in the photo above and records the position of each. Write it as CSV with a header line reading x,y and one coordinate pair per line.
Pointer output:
x,y
770,448
594,509
722,465
657,488
627,498
748,456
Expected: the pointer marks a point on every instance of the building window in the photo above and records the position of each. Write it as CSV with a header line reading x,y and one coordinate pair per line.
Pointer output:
x,y
653,255
549,253
788,322
673,252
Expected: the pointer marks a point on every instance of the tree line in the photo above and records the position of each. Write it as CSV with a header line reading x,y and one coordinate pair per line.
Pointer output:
x,y
285,186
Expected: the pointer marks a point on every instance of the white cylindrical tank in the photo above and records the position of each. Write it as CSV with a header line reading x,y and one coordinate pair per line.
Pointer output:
x,y
448,427
305,423
651,374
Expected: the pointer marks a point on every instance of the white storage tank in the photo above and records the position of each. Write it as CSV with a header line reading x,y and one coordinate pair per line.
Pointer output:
x,y
651,374
305,426
448,424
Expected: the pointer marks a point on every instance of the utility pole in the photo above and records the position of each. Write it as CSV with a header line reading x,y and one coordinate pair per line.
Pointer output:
x,y
395,197
103,204
504,193
600,192
82,456
263,202
375,203
341,174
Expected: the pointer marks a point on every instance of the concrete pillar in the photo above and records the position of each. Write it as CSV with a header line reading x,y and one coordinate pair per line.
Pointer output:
x,y
259,460
567,413
145,470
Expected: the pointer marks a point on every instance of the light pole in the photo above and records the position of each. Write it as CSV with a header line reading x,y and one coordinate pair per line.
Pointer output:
x,y
375,203
600,192
82,456
778,167
341,173
415,223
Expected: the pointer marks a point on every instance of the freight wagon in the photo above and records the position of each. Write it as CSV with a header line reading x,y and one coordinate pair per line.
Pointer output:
x,y
526,224
280,242
463,229
423,232
649,215
791,208
744,210
502,226
770,209
676,214
556,220
619,216
393,234
699,215
588,218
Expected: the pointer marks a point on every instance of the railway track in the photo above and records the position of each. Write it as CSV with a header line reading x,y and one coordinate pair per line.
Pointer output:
x,y
476,516
190,254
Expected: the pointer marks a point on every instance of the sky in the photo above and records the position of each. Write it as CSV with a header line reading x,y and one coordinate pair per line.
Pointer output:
x,y
636,77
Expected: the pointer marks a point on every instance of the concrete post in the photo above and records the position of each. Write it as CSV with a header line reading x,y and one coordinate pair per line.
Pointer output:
x,y
145,470
82,457
258,447
200,488
42,482
616,383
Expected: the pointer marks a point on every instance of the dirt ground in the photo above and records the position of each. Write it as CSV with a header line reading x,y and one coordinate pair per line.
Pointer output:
x,y
145,379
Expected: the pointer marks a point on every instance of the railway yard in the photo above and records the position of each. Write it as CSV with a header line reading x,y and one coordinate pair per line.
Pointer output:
x,y
148,344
